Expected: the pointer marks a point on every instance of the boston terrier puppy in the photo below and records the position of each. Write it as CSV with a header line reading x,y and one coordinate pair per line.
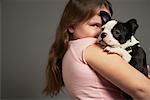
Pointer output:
x,y
119,38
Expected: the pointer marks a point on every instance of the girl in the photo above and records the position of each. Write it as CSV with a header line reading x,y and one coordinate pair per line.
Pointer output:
x,y
78,63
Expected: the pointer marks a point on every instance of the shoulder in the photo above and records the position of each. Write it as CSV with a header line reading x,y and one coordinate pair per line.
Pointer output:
x,y
104,62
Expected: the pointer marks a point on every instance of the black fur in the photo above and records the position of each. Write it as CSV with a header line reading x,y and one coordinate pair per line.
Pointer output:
x,y
105,17
123,32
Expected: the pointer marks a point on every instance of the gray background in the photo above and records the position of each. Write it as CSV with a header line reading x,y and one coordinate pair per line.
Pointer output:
x,y
27,30
0,43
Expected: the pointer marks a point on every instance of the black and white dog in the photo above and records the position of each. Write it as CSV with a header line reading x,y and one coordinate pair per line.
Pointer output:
x,y
119,38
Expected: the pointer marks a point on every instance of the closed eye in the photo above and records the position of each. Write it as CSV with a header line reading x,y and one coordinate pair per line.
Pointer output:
x,y
96,25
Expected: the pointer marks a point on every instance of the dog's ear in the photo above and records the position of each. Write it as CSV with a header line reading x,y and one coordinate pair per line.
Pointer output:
x,y
132,25
105,17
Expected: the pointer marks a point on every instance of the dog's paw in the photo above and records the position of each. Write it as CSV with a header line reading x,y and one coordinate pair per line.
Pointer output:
x,y
112,50
108,49
127,57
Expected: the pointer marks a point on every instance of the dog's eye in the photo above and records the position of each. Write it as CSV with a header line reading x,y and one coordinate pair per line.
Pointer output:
x,y
102,28
117,32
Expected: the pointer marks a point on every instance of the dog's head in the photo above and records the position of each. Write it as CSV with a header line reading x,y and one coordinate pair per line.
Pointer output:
x,y
116,33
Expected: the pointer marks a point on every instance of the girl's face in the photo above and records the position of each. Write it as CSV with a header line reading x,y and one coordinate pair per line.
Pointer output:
x,y
90,28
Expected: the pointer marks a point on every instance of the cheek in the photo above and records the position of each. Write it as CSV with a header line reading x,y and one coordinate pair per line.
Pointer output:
x,y
94,31
86,31
81,32
100,30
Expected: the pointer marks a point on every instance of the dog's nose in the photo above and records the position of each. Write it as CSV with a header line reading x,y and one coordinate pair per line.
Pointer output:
x,y
103,35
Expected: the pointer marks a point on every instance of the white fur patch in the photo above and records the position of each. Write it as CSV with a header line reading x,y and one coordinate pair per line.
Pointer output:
x,y
109,25
130,42
109,39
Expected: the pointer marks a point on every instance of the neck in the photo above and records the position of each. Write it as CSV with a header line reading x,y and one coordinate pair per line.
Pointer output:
x,y
130,42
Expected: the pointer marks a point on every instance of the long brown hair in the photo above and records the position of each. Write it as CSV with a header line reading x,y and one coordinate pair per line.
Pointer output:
x,y
75,12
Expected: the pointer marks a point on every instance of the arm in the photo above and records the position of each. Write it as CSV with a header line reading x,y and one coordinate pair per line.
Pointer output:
x,y
119,72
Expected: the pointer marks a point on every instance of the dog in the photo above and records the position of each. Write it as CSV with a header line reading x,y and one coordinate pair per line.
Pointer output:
x,y
119,38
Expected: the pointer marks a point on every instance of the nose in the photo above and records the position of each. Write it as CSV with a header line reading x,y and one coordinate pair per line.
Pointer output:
x,y
103,35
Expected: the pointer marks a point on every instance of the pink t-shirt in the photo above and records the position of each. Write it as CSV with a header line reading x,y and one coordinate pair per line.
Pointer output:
x,y
81,81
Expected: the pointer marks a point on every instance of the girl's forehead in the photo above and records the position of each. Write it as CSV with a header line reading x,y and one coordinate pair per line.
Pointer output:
x,y
95,18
